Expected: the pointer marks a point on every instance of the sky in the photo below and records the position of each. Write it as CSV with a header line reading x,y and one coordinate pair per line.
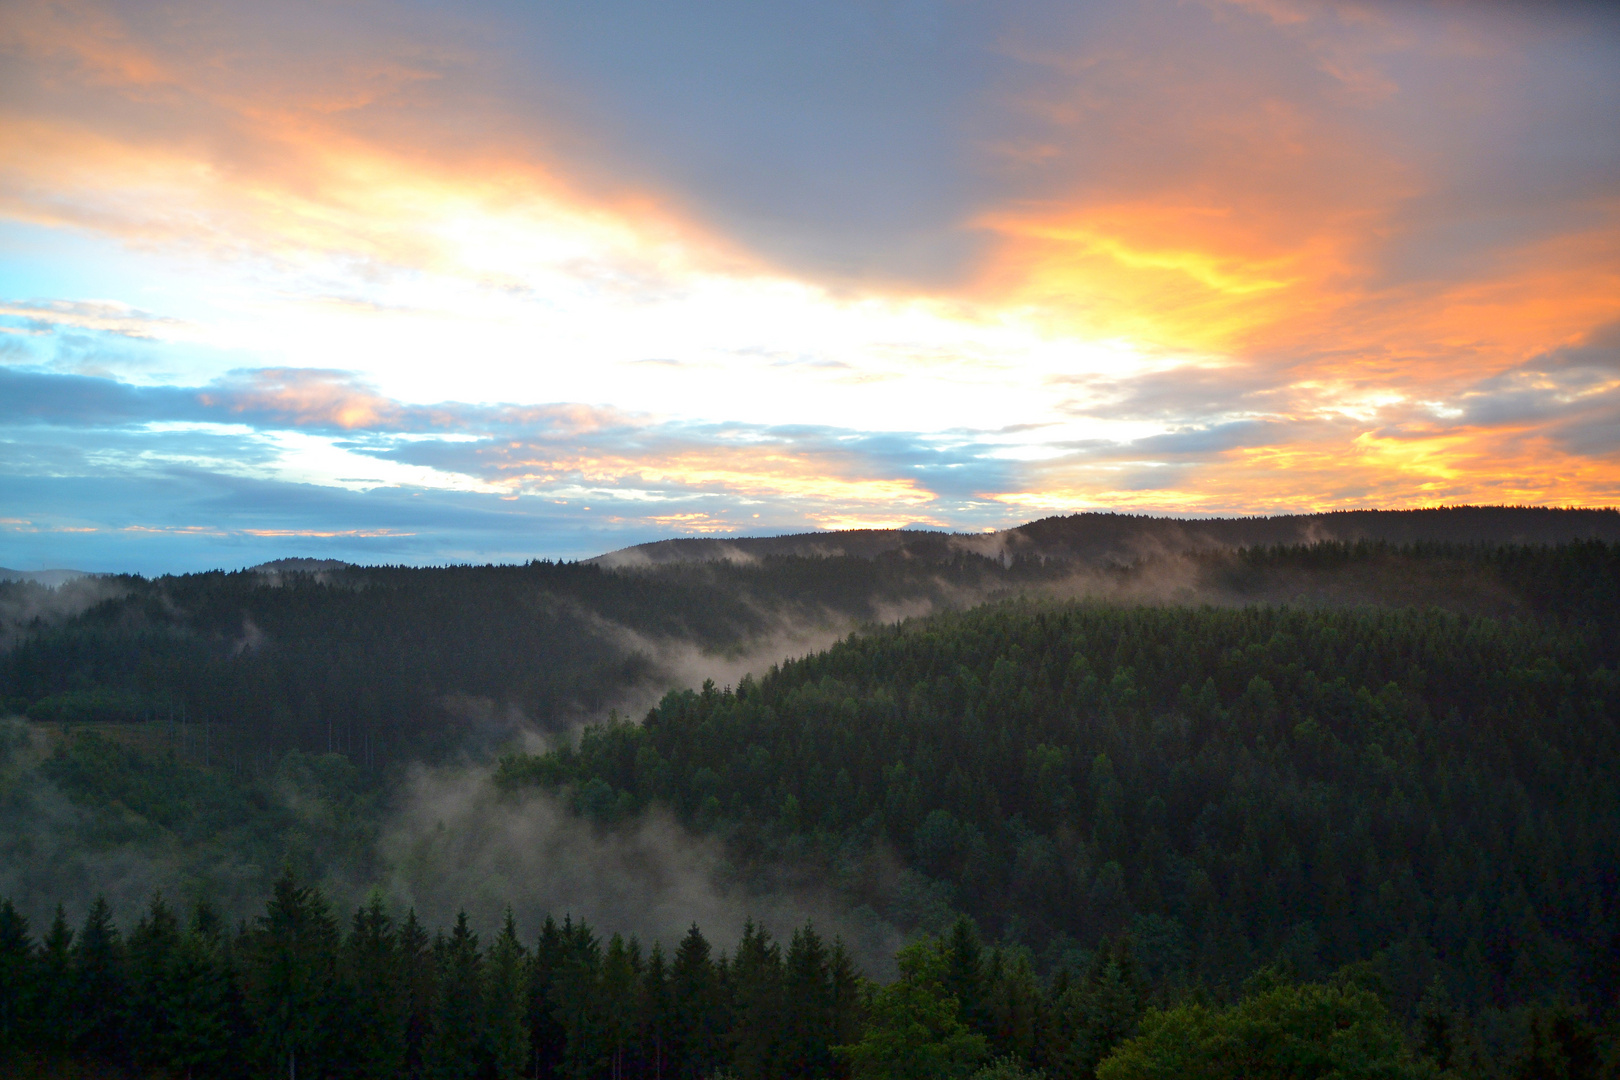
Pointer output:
x,y
424,282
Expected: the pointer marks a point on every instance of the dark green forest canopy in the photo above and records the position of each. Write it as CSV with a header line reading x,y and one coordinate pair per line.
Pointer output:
x,y
297,992
388,665
1233,786
392,664
1393,762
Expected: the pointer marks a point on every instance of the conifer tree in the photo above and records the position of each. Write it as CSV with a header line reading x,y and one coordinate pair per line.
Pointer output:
x,y
619,999
375,991
696,1038
100,987
208,1020
809,1008
577,1001
52,1025
506,991
756,1013
657,1014
153,1002
419,977
459,1046
548,1038
292,951
17,975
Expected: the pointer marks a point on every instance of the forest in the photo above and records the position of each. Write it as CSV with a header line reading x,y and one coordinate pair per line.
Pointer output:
x,y
291,993
1112,799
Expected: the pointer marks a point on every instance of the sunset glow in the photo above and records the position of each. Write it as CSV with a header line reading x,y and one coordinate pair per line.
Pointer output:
x,y
400,285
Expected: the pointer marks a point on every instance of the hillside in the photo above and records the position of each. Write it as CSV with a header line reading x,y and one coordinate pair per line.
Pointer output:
x,y
1232,787
1367,762
1128,538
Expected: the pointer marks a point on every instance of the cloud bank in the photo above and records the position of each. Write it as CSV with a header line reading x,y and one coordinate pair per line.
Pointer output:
x,y
427,284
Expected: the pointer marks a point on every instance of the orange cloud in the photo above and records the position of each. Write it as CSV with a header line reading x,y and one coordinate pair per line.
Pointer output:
x,y
370,533
748,472
1275,213
307,398
1424,466
220,135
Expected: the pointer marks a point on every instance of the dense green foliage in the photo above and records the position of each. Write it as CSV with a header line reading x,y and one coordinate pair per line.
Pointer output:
x,y
1386,771
388,665
91,813
392,664
1234,787
291,994
1279,1033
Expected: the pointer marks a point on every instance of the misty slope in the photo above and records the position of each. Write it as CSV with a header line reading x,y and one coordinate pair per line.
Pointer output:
x,y
1127,538
1235,786
388,665
292,705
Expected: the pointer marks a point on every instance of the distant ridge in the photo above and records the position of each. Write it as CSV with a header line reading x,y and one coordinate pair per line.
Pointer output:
x,y
49,578
1105,537
300,566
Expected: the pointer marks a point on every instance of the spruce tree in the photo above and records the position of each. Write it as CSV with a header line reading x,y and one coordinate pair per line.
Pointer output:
x,y
459,1046
506,989
292,952
657,1015
548,1037
100,986
17,975
619,999
810,1014
696,1038
53,1023
375,990
419,978
756,1005
153,1005
206,1032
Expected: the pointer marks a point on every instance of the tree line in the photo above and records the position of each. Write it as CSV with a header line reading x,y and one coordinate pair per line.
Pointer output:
x,y
388,665
290,994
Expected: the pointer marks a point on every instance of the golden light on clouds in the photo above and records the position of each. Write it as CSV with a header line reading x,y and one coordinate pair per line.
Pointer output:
x,y
750,472
1215,257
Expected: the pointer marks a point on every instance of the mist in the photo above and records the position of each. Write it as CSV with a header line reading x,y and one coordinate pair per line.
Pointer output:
x,y
25,605
456,842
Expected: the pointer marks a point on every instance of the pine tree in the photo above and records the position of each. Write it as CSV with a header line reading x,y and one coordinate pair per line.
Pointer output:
x,y
506,989
292,952
695,1041
99,986
375,991
54,1023
459,1045
17,975
548,1037
419,978
153,1005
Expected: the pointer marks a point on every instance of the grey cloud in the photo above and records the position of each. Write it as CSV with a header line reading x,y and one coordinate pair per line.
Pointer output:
x,y
1599,349
78,400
